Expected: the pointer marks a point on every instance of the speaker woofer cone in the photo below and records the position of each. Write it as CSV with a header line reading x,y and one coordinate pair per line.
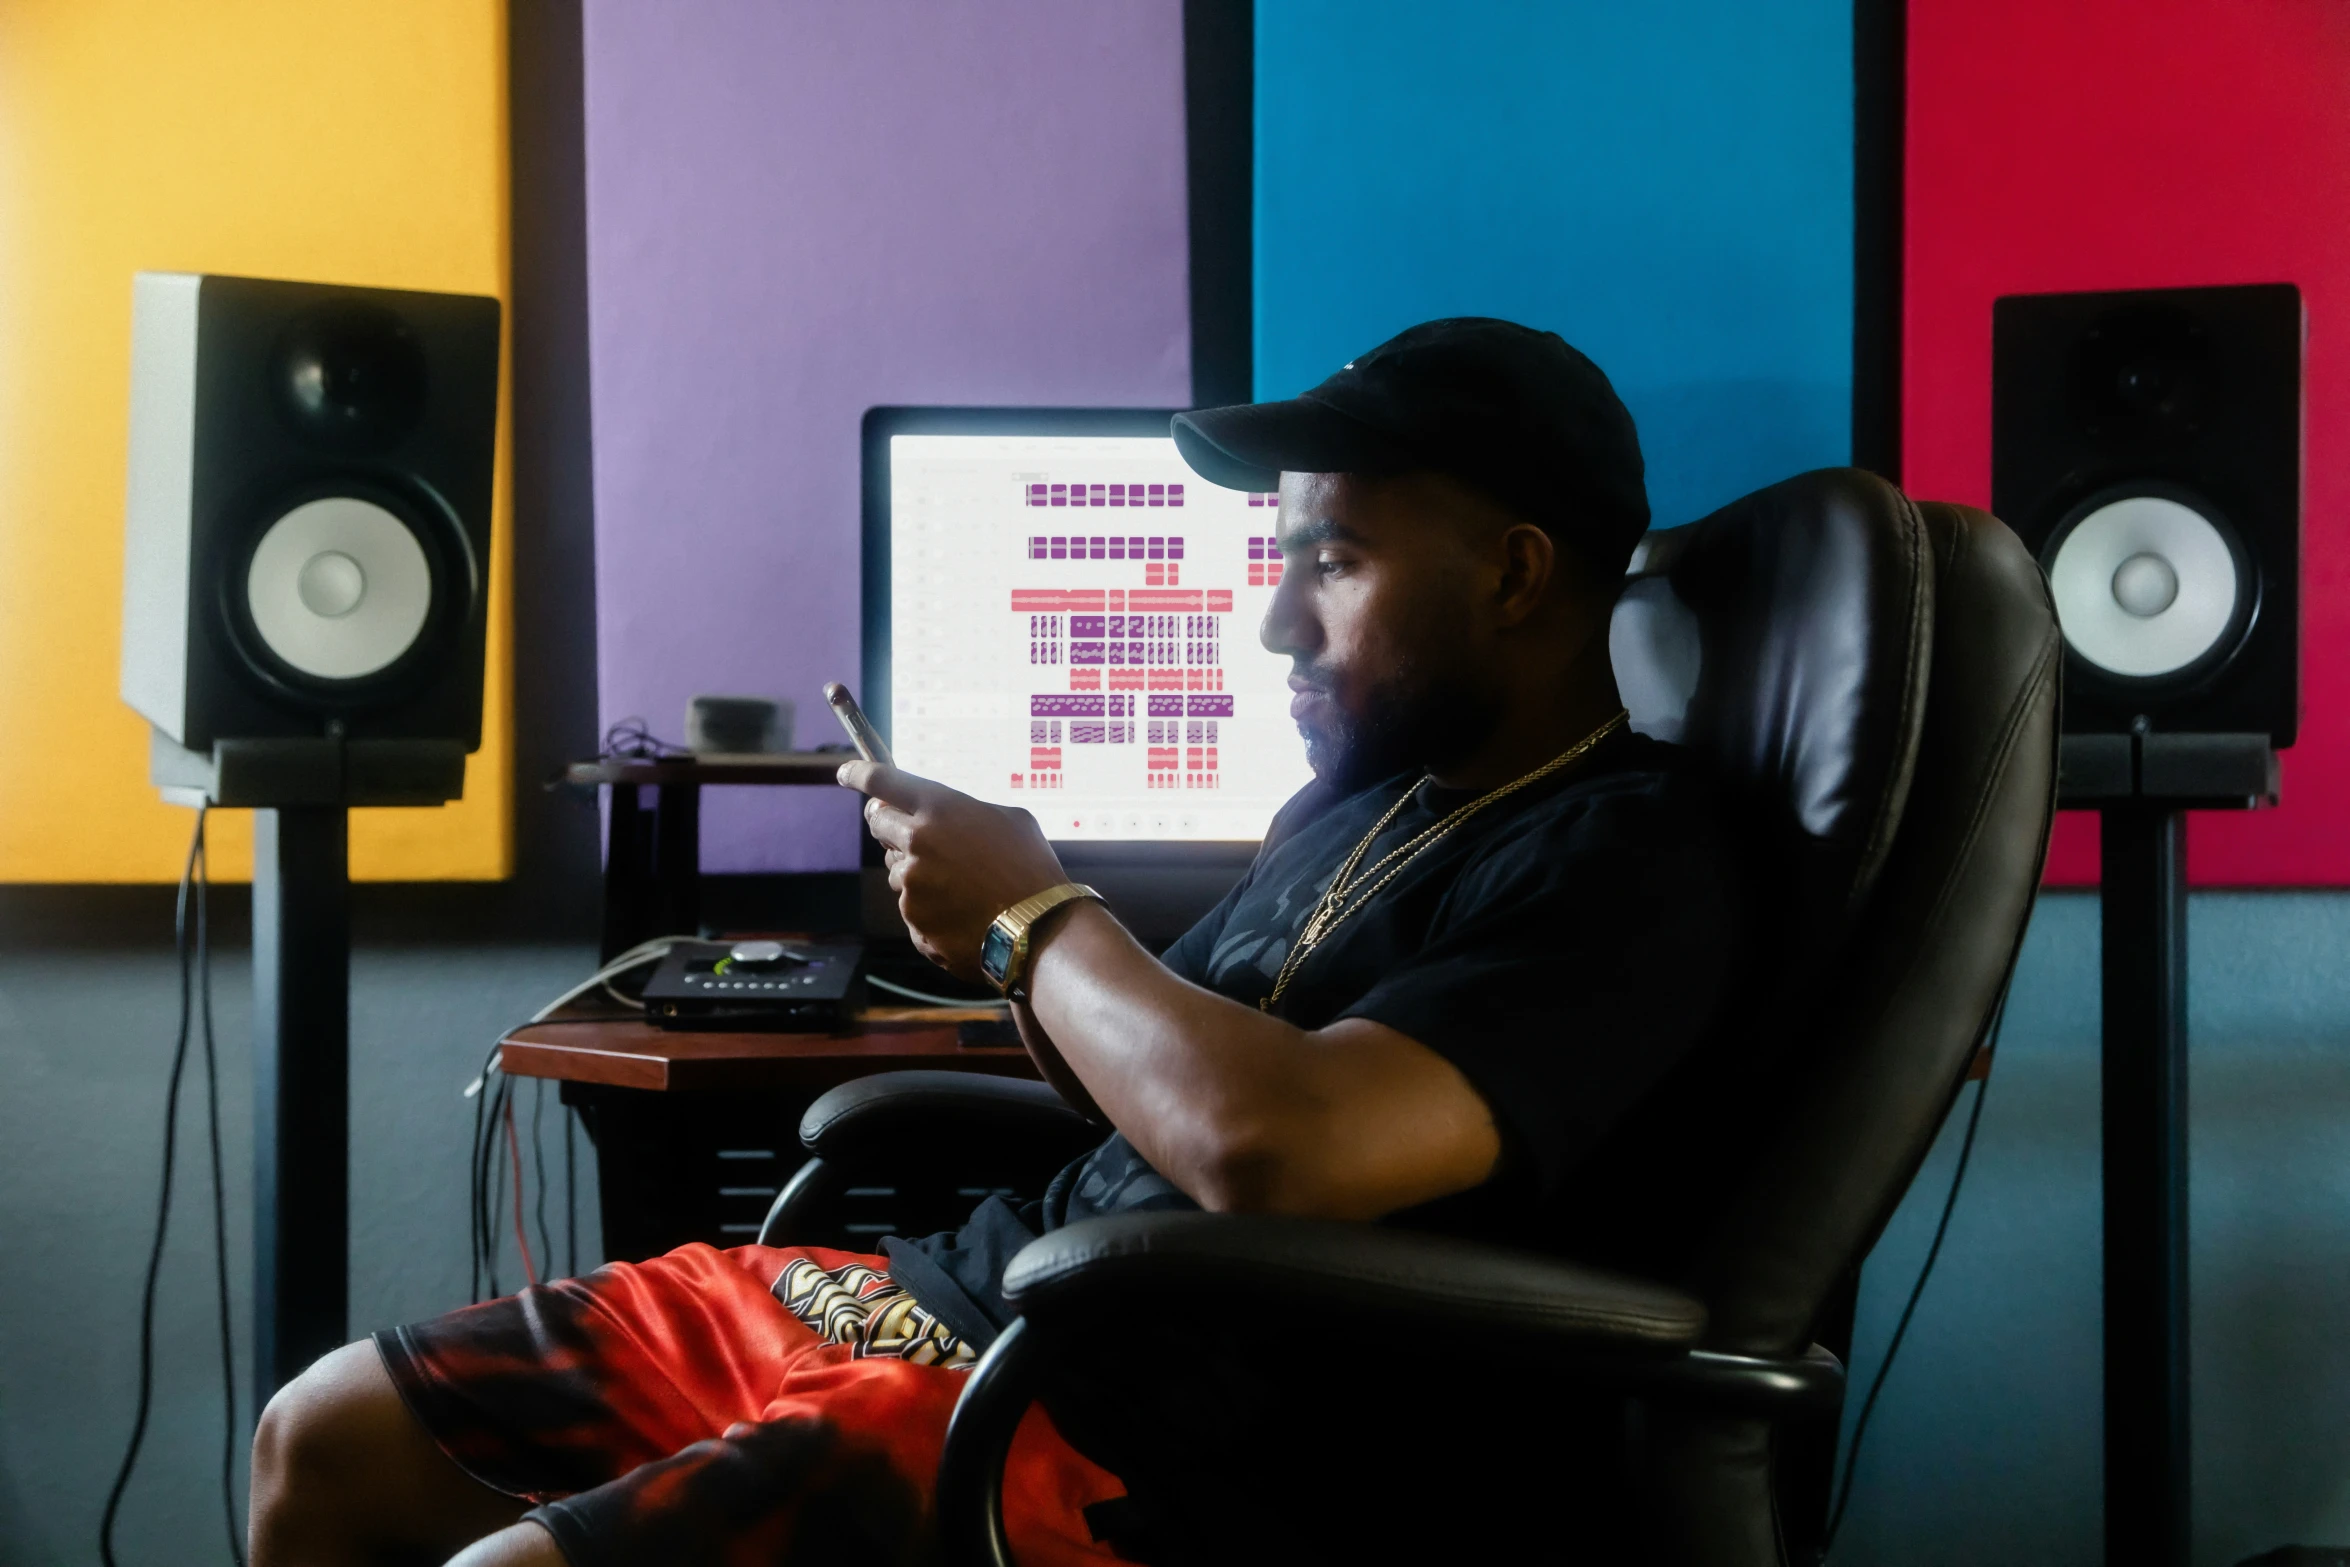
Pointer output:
x,y
347,592
2152,586
339,588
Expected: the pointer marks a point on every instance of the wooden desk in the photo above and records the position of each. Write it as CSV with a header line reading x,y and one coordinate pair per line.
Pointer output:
x,y
696,1132
631,1053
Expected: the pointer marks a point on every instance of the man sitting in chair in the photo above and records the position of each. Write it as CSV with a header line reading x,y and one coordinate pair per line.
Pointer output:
x,y
1492,926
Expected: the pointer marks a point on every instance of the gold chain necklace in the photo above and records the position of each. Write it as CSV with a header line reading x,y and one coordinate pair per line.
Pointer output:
x,y
1347,892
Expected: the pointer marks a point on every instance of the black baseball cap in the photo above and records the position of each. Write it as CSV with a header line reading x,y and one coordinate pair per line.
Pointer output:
x,y
1513,411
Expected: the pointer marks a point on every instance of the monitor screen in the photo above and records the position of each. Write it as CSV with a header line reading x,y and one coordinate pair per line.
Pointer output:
x,y
1061,615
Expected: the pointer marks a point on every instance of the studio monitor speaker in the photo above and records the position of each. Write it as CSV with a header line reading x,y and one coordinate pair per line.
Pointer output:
x,y
309,513
2147,447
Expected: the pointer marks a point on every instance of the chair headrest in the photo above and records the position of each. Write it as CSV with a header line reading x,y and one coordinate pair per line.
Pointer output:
x,y
1787,639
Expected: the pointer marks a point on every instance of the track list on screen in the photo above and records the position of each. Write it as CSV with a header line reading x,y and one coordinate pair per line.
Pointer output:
x,y
1074,630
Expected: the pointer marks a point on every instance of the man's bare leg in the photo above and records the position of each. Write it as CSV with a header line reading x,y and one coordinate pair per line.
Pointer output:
x,y
521,1545
344,1476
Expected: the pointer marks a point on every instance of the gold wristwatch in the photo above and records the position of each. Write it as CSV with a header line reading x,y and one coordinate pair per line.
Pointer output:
x,y
1004,952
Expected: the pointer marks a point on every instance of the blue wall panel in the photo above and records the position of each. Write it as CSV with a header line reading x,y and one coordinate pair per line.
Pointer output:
x,y
1669,186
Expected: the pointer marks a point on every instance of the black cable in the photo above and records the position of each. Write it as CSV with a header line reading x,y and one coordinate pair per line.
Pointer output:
x,y
489,1199
570,1192
484,1180
489,1196
493,1179
479,1094
1860,1427
171,1108
633,740
494,1150
484,1176
538,1165
478,1236
228,1354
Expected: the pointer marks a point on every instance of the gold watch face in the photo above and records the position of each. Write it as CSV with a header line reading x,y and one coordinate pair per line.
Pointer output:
x,y
995,955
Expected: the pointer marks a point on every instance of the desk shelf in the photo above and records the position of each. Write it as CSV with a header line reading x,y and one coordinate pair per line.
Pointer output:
x,y
653,846
803,768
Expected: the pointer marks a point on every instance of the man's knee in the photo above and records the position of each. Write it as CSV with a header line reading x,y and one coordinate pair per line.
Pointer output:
x,y
330,1424
342,1471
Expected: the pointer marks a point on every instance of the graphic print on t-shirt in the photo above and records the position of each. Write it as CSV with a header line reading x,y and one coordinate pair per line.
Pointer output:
x,y
1260,934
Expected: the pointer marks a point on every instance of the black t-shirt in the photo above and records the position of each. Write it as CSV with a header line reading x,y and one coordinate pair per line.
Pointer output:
x,y
1567,948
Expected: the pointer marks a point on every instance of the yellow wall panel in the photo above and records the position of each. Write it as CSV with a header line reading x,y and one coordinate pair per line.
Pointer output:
x,y
343,141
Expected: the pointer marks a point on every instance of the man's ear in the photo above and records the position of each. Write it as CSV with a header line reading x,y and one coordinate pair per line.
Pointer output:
x,y
1530,567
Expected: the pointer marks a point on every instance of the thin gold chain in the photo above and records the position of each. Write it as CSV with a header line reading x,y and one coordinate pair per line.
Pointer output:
x,y
1347,892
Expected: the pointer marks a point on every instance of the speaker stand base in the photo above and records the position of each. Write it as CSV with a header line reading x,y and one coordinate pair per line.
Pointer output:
x,y
308,770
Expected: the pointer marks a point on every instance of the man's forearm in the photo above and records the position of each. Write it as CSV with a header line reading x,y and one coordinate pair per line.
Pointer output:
x,y
1195,1081
1241,1110
1049,1064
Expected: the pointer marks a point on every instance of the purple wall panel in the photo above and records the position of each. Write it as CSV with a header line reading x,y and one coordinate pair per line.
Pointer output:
x,y
796,210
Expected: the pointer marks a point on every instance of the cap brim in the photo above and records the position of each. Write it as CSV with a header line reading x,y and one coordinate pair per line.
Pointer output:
x,y
1249,446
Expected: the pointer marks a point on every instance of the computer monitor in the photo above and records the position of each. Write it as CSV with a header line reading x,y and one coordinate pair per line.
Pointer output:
x,y
1060,615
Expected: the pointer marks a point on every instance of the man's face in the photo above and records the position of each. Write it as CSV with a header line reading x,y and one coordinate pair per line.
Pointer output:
x,y
1379,610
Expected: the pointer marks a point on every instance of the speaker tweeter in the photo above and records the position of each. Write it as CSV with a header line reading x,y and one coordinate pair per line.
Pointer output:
x,y
351,376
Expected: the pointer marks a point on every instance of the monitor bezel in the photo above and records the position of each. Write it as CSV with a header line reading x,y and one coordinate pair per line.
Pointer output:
x,y
880,424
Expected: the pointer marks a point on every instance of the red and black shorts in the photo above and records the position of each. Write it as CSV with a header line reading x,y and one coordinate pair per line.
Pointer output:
x,y
748,1406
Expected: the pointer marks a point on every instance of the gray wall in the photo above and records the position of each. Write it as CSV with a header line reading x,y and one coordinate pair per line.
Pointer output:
x,y
1985,1444
88,994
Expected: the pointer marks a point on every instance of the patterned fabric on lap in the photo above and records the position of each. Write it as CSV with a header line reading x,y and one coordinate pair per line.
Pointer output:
x,y
864,1308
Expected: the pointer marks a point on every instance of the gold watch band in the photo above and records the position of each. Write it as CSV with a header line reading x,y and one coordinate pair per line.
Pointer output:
x,y
1018,926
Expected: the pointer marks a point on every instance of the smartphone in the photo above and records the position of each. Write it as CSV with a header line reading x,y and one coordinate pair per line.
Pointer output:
x,y
862,734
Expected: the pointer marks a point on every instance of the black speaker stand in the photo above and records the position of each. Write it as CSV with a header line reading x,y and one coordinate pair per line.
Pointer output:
x,y
2148,1477
2142,786
301,790
301,1089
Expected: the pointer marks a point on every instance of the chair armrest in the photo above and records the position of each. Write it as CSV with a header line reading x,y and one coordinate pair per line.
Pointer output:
x,y
1598,1328
935,1134
1431,1281
884,1118
1601,1329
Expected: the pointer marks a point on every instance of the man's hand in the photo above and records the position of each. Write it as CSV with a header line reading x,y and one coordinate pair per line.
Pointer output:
x,y
954,862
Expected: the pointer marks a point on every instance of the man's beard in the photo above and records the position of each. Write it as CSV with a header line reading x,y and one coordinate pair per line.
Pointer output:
x,y
1417,719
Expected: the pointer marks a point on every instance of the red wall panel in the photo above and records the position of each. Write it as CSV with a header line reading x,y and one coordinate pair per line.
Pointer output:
x,y
2094,144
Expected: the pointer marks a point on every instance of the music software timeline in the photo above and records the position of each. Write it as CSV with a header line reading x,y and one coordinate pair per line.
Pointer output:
x,y
1074,630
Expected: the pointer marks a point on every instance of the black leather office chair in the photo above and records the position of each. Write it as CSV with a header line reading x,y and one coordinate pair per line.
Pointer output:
x,y
1880,678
